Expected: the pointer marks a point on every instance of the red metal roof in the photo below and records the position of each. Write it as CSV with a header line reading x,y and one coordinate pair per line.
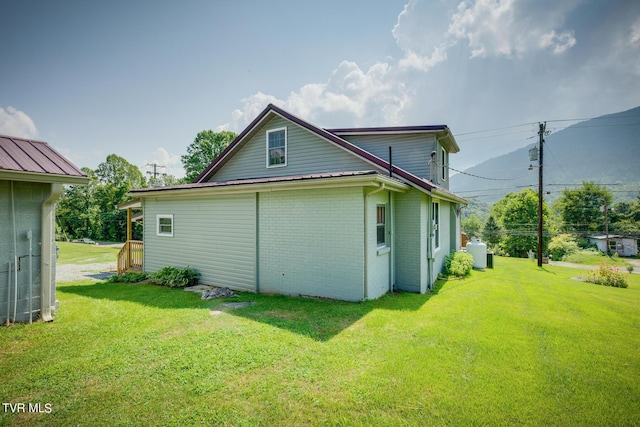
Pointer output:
x,y
26,155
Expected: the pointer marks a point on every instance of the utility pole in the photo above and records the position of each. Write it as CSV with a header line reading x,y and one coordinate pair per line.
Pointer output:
x,y
606,225
543,127
155,172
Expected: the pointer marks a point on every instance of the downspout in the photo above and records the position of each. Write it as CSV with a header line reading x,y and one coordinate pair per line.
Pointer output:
x,y
30,238
366,239
15,254
8,290
47,276
430,237
392,232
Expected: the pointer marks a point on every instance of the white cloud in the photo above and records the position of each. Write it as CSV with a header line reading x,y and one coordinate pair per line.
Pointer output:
x,y
558,42
490,27
634,38
14,122
349,97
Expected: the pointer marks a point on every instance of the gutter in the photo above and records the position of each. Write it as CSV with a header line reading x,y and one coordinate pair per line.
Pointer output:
x,y
47,276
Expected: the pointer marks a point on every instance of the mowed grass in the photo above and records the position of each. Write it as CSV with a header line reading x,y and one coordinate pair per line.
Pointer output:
x,y
596,258
516,345
81,253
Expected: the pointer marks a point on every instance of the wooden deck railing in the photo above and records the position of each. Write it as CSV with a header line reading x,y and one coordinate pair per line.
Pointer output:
x,y
130,256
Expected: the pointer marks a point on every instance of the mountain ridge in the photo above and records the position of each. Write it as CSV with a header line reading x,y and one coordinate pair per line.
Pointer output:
x,y
604,149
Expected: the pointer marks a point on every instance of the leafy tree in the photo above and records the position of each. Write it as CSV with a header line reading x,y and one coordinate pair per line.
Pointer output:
x,y
491,232
581,209
517,213
625,218
76,211
471,226
562,245
205,147
165,180
91,211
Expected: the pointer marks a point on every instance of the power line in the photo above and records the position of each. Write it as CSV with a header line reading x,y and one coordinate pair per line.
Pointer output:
x,y
484,177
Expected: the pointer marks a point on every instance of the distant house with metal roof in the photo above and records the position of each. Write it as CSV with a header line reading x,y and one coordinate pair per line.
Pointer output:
x,y
32,175
613,243
291,208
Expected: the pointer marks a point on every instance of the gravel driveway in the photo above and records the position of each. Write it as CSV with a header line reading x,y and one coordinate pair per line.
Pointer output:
x,y
73,272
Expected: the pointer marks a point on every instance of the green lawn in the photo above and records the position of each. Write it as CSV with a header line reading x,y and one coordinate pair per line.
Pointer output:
x,y
595,258
516,345
80,253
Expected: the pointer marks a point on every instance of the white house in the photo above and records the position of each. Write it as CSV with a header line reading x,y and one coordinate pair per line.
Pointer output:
x,y
295,209
622,245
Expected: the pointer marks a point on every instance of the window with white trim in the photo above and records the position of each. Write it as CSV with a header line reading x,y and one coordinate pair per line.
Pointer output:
x,y
164,225
277,147
436,224
381,225
444,165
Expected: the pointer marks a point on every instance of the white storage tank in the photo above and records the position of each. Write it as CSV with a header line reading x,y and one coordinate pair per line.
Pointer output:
x,y
478,250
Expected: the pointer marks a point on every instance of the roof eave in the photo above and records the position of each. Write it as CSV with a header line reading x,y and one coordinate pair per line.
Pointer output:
x,y
368,180
12,175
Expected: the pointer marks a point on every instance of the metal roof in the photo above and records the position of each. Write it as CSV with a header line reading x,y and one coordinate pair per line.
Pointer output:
x,y
252,181
34,157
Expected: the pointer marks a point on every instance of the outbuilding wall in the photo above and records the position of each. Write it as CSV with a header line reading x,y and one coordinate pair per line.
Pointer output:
x,y
25,209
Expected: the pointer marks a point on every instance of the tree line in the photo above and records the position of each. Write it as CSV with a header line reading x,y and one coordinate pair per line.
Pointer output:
x,y
512,223
91,211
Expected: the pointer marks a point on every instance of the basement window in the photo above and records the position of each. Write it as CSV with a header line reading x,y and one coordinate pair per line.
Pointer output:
x,y
164,225
277,147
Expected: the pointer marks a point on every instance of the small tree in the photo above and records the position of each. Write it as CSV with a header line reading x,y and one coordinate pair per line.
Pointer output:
x,y
562,245
205,147
492,232
471,226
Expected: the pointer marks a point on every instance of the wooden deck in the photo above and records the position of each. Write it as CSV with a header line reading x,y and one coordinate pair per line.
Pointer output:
x,y
130,256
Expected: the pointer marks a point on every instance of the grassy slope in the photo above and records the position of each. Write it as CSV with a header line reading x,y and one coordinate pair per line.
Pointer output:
x,y
514,345
80,253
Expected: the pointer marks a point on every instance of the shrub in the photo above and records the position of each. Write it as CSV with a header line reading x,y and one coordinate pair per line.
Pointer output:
x,y
130,277
176,277
608,276
458,264
562,245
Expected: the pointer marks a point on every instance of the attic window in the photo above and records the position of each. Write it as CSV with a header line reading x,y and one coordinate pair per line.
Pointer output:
x,y
277,147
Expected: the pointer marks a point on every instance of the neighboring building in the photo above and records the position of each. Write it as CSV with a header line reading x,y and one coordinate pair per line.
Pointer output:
x,y
291,208
31,179
622,245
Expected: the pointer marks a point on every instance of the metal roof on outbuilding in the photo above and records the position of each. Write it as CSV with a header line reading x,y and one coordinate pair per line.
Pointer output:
x,y
29,157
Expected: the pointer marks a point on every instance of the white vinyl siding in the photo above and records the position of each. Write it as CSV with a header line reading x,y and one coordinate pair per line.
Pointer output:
x,y
306,153
213,234
411,152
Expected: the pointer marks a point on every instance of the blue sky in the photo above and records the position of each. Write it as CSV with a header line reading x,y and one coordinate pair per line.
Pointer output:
x,y
141,78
